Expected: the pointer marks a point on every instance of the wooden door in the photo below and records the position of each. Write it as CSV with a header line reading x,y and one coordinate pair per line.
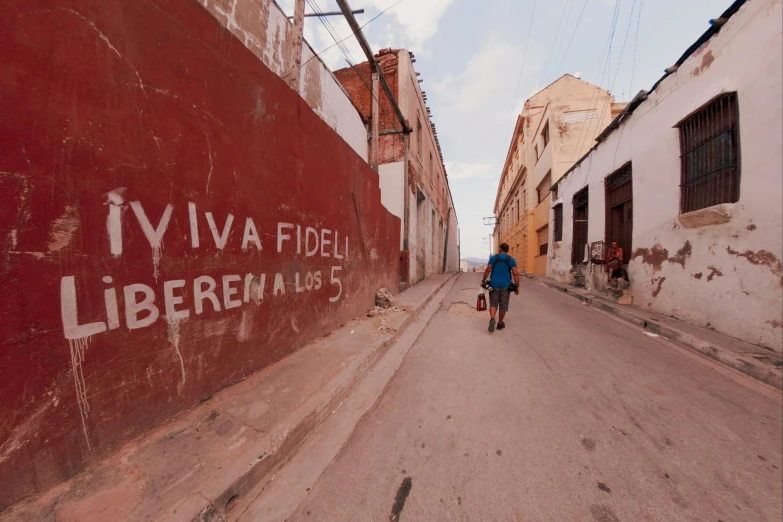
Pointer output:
x,y
619,210
580,234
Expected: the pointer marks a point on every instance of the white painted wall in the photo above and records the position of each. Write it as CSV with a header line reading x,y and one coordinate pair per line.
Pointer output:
x,y
746,299
266,31
392,182
330,101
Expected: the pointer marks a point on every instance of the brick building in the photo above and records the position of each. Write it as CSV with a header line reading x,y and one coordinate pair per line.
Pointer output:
x,y
413,179
556,127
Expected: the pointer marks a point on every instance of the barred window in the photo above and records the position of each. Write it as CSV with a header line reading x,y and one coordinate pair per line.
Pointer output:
x,y
543,240
544,186
558,232
709,160
545,134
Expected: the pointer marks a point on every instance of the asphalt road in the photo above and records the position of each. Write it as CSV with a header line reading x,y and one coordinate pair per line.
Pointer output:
x,y
568,414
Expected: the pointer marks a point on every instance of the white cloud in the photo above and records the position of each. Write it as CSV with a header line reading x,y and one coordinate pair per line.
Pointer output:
x,y
457,171
418,19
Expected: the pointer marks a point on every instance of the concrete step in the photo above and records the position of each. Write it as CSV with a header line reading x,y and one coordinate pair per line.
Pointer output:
x,y
201,464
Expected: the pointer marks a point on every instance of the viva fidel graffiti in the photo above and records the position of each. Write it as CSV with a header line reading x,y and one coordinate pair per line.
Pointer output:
x,y
139,305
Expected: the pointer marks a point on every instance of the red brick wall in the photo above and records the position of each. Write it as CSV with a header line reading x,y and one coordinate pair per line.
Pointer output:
x,y
357,82
132,131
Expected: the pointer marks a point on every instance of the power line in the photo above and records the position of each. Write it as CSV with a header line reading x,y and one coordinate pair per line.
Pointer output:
x,y
350,59
319,53
559,67
557,32
581,137
522,68
633,69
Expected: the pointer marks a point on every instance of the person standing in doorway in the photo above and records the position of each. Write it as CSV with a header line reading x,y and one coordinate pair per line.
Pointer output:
x,y
500,269
614,260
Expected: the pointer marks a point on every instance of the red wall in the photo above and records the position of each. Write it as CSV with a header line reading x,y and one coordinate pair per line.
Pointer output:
x,y
114,110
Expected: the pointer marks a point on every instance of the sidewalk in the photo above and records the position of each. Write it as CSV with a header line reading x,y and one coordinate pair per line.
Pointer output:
x,y
760,363
198,464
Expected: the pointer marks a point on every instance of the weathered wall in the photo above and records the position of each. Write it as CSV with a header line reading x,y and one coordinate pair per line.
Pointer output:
x,y
726,276
427,241
264,29
577,112
162,195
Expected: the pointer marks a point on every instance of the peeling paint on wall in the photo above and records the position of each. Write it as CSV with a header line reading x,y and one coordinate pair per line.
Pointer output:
x,y
654,256
657,282
714,272
762,258
682,254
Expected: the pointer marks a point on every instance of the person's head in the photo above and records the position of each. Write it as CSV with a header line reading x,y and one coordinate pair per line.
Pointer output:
x,y
504,248
614,244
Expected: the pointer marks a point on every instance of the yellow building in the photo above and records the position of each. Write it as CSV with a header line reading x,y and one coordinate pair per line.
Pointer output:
x,y
558,125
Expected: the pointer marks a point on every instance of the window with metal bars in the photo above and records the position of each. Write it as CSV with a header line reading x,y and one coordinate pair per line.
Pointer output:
x,y
543,240
544,186
558,232
709,159
545,134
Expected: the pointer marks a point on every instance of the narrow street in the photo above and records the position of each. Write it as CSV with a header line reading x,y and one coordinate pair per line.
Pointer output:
x,y
568,414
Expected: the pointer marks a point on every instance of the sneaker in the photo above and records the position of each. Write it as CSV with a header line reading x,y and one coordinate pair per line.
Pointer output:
x,y
491,325
501,326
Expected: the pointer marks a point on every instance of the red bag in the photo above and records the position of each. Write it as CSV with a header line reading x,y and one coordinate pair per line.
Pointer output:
x,y
481,302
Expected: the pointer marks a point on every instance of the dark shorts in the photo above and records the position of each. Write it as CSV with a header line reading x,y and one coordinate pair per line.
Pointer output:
x,y
498,298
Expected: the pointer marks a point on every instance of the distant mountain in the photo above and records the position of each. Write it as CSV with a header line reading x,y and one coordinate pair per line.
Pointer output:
x,y
475,261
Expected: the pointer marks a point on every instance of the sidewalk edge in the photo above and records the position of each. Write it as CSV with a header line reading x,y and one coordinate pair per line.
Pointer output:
x,y
684,339
269,455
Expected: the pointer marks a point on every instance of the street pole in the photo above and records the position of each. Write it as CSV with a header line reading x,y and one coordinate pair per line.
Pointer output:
x,y
296,46
375,121
357,31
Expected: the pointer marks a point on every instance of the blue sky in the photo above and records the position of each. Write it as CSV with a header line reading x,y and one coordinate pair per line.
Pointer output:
x,y
470,54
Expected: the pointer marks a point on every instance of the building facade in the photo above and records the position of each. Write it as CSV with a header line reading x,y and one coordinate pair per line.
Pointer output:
x,y
688,180
151,255
414,183
556,127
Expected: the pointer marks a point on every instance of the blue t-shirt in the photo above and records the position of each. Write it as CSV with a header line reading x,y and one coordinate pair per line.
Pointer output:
x,y
501,274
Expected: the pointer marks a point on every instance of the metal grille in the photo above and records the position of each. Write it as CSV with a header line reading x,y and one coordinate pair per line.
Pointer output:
x,y
580,198
577,116
619,177
709,160
544,186
558,232
543,240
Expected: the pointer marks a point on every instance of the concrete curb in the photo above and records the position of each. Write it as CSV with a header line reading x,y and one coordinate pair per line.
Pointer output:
x,y
264,459
717,353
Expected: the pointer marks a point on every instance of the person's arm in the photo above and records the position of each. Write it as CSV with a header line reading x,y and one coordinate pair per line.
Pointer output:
x,y
516,279
487,271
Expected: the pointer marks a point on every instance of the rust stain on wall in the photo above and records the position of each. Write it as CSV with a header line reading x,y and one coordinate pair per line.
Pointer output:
x,y
762,257
752,227
697,275
774,324
654,256
682,254
706,61
714,272
659,281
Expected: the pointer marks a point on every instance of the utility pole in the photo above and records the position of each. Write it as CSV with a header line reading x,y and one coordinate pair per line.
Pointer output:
x,y
330,13
357,31
296,46
375,117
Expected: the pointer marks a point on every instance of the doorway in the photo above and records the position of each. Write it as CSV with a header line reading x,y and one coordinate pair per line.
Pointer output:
x,y
619,210
581,214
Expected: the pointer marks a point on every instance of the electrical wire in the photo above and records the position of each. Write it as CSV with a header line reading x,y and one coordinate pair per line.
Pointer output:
x,y
594,97
319,53
521,69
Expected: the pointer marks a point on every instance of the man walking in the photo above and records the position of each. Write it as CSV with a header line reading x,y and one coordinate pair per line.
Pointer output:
x,y
501,266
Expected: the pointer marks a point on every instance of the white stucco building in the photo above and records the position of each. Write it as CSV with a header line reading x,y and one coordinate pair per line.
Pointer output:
x,y
689,180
